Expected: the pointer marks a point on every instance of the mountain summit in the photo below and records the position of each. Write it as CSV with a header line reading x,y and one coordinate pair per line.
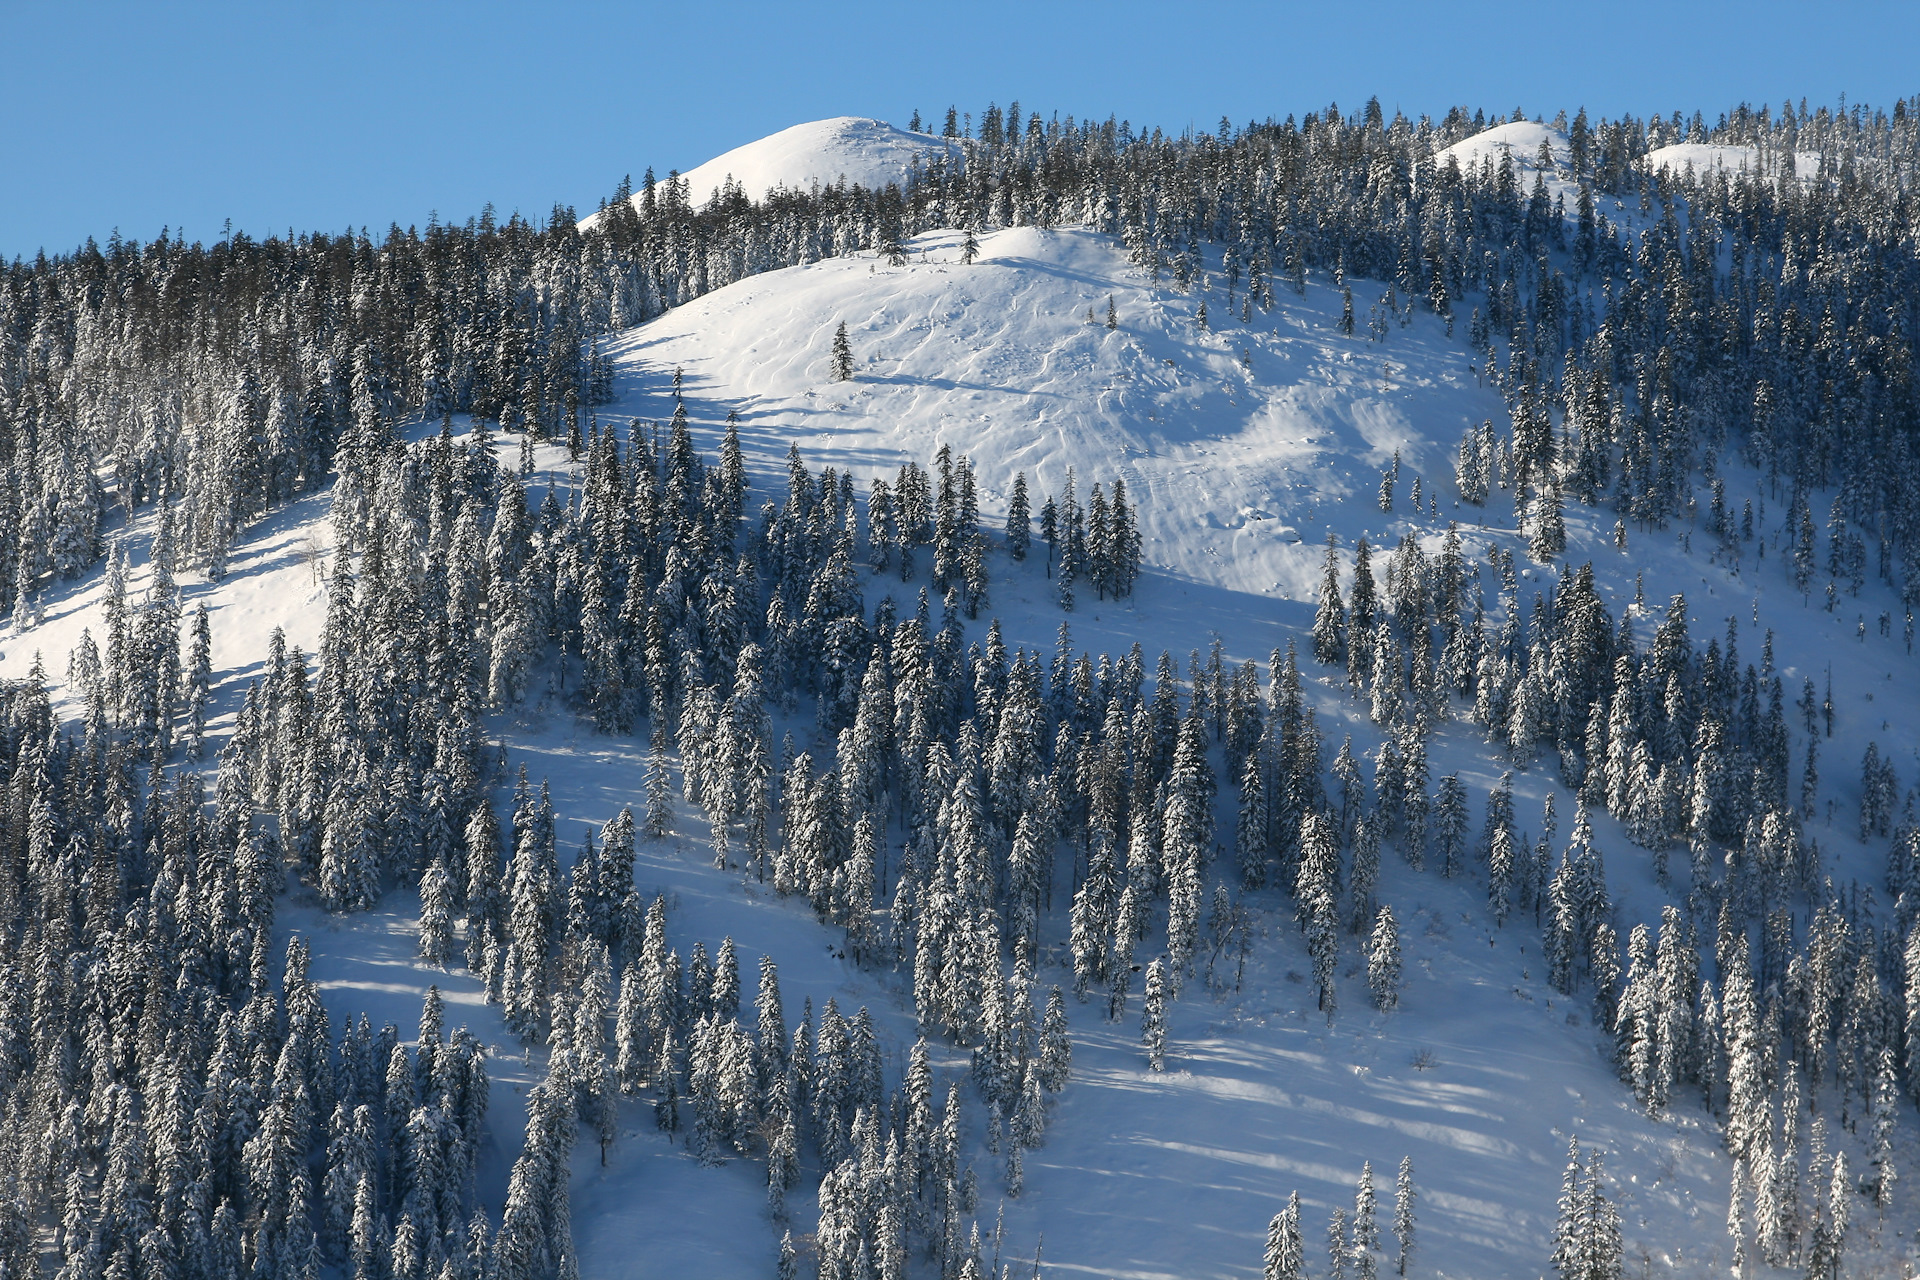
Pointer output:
x,y
852,149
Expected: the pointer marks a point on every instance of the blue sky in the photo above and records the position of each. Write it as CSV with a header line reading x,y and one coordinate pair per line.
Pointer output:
x,y
328,115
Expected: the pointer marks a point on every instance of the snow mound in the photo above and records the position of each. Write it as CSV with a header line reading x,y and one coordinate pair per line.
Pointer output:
x,y
1520,139
852,149
1703,157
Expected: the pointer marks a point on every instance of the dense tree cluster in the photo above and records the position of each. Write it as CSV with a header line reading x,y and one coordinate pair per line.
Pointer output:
x,y
177,1099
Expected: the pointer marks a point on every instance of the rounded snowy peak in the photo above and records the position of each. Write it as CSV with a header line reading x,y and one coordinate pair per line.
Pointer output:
x,y
1704,157
851,149
1520,139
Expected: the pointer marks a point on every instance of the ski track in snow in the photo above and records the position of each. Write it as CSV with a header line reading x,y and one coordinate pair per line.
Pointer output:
x,y
1481,1076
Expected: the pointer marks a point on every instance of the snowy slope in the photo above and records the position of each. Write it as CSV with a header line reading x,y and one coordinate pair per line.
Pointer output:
x,y
850,149
1519,142
1240,470
1703,157
1519,139
1240,473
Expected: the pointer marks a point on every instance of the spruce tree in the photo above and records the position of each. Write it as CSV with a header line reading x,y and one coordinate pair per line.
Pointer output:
x,y
1286,1249
1153,1020
1019,524
1330,616
1403,1198
841,367
1365,1228
199,682
436,915
1383,960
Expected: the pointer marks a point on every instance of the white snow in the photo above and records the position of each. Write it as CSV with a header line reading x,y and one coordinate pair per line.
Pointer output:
x,y
850,149
1240,471
1703,157
1519,139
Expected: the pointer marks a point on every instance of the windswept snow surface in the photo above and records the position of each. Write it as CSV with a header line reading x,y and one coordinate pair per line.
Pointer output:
x,y
1240,470
853,149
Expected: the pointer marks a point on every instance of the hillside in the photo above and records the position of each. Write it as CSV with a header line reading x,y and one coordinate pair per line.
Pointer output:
x,y
1241,470
463,643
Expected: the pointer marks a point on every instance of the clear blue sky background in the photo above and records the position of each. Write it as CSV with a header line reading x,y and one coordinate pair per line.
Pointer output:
x,y
302,114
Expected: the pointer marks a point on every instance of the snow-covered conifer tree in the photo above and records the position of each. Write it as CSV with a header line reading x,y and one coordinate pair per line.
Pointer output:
x,y
1019,522
1153,1019
1383,960
1403,1217
1330,615
436,915
841,367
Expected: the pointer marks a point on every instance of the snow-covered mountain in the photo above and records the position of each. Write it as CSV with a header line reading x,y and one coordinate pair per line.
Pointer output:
x,y
849,149
1241,470
1247,433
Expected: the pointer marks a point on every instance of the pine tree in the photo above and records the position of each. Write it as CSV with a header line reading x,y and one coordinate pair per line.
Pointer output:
x,y
1566,1228
1736,1216
1250,831
1403,1198
436,915
199,682
1365,1230
841,368
1286,1249
1056,1047
1549,534
1451,823
1360,617
1586,1239
1330,616
1383,960
1366,875
1314,897
659,818
1019,523
1186,832
1884,1111
1153,1021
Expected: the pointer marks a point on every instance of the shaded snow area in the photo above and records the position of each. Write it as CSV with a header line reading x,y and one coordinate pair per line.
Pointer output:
x,y
846,149
1244,444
